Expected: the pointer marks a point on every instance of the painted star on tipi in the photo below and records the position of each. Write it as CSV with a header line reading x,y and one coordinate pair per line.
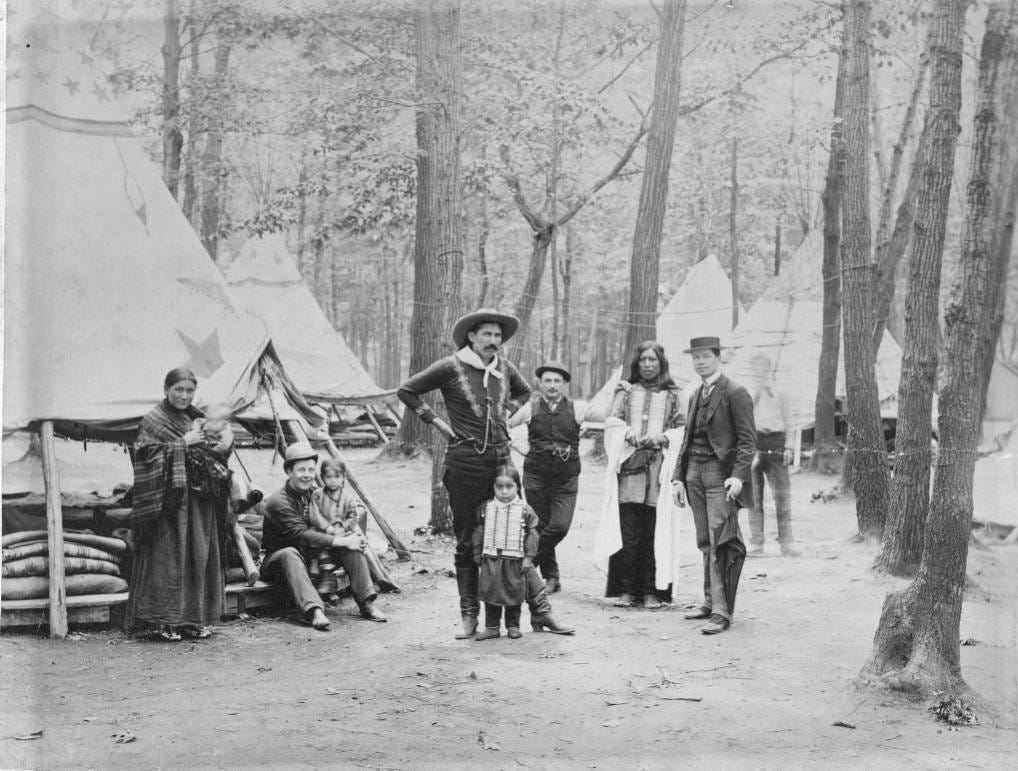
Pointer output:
x,y
206,357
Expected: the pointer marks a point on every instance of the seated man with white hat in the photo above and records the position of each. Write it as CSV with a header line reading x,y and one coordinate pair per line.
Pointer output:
x,y
290,542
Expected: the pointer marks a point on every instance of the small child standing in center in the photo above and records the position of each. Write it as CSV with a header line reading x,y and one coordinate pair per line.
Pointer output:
x,y
505,543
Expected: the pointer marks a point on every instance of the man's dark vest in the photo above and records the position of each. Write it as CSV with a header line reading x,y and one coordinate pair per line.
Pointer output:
x,y
554,436
700,442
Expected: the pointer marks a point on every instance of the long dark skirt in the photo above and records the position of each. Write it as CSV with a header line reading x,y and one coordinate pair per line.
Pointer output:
x,y
501,581
178,575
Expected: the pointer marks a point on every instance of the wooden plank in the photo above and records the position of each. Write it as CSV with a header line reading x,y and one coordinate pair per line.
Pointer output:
x,y
77,601
39,617
55,535
369,410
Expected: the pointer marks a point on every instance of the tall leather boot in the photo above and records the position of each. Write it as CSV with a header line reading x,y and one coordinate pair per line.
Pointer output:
x,y
466,583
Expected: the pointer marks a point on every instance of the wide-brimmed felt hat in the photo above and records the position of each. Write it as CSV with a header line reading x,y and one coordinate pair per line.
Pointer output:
x,y
700,343
554,366
464,324
299,451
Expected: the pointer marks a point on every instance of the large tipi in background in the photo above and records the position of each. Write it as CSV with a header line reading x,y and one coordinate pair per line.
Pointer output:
x,y
701,307
786,324
107,286
266,282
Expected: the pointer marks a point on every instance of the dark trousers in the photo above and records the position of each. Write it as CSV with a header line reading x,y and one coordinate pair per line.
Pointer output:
x,y
552,494
637,522
769,463
716,520
470,478
493,616
288,565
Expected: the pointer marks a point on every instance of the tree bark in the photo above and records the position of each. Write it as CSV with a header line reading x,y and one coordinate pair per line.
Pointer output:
x,y
891,246
641,317
214,170
866,441
733,232
903,536
191,162
917,646
437,236
825,445
173,139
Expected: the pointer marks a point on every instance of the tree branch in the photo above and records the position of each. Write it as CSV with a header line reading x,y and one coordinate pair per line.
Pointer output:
x,y
535,220
615,171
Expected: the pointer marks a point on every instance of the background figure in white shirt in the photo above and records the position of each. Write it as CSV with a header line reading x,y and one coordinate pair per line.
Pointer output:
x,y
775,440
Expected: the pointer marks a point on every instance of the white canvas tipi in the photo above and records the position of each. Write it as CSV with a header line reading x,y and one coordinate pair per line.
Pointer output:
x,y
107,285
266,282
702,306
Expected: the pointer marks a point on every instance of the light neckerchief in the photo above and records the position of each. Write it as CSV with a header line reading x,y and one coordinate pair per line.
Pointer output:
x,y
490,412
709,383
469,356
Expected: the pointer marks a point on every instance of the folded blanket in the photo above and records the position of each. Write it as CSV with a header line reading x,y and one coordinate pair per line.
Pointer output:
x,y
39,566
37,587
71,549
114,545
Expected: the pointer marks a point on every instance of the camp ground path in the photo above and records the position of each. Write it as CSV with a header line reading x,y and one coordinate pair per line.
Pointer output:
x,y
632,689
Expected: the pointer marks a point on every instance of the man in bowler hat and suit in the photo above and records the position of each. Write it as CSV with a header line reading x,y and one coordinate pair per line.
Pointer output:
x,y
714,471
480,389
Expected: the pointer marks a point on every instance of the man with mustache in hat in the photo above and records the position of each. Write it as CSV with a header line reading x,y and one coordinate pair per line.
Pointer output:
x,y
479,388
551,470
714,471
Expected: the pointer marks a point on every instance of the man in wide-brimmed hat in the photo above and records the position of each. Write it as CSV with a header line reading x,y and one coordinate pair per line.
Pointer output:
x,y
714,471
480,390
551,470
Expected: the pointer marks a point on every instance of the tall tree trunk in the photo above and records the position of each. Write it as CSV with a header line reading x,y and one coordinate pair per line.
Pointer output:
x,y
302,216
903,535
215,170
641,317
482,256
917,645
437,237
777,247
865,437
173,139
891,245
563,345
733,232
190,161
323,275
825,444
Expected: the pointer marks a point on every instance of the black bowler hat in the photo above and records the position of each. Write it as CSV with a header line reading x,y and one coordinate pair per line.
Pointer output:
x,y
701,343
554,366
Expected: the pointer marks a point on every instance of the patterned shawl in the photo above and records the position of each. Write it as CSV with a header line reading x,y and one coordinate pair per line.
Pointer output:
x,y
160,466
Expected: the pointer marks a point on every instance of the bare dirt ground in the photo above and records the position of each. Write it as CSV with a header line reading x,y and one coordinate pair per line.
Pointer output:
x,y
633,689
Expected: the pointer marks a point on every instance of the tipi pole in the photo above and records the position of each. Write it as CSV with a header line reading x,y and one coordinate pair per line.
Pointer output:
x,y
398,546
54,535
370,409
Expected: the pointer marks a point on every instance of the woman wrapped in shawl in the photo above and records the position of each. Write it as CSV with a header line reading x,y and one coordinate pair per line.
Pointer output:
x,y
179,520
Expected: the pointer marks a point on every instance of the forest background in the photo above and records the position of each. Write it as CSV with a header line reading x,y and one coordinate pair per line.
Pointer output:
x,y
299,118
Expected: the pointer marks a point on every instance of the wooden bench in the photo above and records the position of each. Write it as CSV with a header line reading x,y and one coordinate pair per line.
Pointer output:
x,y
81,609
240,597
